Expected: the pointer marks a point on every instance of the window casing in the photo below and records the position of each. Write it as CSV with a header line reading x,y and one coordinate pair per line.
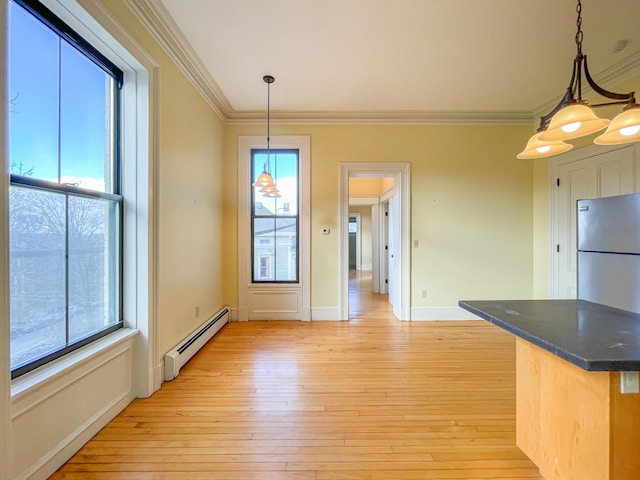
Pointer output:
x,y
275,220
65,197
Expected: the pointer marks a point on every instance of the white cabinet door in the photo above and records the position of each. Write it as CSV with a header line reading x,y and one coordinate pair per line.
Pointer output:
x,y
601,175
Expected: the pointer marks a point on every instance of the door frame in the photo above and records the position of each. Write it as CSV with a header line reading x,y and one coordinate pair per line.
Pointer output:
x,y
401,184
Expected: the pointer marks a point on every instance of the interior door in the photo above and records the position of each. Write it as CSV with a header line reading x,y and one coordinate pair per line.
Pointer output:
x,y
394,255
384,248
603,175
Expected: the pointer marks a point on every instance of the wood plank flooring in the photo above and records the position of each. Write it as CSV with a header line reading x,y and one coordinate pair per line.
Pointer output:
x,y
372,398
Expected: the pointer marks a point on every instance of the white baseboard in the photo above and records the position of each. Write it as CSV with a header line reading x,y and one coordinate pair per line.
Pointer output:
x,y
441,313
326,313
366,266
158,376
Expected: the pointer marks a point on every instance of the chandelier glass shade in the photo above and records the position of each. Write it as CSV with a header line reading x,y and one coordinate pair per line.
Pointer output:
x,y
624,128
265,179
536,148
573,121
574,117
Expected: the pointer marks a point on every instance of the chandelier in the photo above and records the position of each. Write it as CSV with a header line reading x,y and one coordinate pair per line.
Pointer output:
x,y
265,180
574,117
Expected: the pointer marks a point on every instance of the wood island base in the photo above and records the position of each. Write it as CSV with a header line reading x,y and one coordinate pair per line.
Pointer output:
x,y
574,424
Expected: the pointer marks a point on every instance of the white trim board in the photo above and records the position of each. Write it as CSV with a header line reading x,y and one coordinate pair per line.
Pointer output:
x,y
325,313
441,314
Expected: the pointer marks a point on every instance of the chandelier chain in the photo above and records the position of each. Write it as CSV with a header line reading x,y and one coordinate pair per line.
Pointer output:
x,y
579,34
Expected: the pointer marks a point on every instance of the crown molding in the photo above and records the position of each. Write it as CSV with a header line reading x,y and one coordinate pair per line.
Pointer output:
x,y
157,20
618,72
433,117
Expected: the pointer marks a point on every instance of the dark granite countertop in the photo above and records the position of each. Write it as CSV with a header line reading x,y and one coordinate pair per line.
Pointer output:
x,y
589,335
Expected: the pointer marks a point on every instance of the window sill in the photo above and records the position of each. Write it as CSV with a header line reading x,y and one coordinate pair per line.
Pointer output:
x,y
76,361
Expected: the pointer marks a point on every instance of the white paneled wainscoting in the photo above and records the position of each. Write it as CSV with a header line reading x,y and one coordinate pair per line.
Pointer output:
x,y
57,408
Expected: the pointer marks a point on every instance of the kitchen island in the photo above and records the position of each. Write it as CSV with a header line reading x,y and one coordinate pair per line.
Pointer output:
x,y
571,418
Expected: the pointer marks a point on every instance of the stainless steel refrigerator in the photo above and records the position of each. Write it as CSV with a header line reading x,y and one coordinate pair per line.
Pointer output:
x,y
609,251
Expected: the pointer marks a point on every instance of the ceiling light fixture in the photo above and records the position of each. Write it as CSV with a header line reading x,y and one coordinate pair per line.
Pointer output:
x,y
265,180
573,117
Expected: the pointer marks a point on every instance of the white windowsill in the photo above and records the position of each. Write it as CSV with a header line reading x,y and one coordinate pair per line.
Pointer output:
x,y
74,360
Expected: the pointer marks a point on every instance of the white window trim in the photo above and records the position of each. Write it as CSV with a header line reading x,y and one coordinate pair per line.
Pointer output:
x,y
245,287
5,376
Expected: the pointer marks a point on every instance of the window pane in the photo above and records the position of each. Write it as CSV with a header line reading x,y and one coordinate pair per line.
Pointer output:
x,y
283,166
93,265
33,86
286,238
37,266
275,243
85,122
263,248
65,242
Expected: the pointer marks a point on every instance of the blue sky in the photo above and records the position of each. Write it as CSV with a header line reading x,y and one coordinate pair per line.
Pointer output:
x,y
47,76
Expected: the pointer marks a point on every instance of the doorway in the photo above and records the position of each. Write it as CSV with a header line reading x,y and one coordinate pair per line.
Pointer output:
x,y
392,258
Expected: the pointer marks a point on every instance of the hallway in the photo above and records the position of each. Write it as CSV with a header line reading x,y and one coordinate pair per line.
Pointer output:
x,y
363,304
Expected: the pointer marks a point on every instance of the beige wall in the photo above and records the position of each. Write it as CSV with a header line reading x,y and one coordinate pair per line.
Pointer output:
x,y
189,197
472,206
369,186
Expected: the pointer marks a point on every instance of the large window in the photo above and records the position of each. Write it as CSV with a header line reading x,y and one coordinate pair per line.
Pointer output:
x,y
275,220
65,202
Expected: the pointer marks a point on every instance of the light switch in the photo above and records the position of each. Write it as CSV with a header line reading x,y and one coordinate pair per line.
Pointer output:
x,y
629,382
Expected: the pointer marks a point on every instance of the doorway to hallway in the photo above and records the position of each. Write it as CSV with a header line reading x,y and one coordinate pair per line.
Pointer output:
x,y
389,260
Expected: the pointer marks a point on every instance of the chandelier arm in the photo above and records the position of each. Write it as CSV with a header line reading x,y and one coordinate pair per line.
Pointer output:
x,y
544,120
606,93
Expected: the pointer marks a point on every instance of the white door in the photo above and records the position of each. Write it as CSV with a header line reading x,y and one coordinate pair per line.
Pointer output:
x,y
602,175
384,248
394,255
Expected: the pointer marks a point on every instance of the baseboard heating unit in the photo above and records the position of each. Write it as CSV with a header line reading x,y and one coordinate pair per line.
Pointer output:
x,y
177,357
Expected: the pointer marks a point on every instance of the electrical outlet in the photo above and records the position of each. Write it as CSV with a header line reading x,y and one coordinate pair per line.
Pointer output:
x,y
629,382
197,311
416,244
424,294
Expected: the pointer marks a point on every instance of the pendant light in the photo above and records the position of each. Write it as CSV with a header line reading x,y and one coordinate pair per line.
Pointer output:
x,y
265,180
574,117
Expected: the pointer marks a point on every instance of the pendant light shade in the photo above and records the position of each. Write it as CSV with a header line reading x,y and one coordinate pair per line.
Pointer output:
x,y
536,148
268,189
264,180
573,121
624,128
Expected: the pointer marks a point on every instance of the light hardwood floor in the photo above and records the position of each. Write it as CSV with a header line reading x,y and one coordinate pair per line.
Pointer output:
x,y
372,398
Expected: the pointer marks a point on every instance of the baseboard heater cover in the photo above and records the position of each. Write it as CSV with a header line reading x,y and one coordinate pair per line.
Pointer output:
x,y
177,357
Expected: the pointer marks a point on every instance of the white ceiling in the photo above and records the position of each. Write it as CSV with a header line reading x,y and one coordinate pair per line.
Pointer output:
x,y
400,58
